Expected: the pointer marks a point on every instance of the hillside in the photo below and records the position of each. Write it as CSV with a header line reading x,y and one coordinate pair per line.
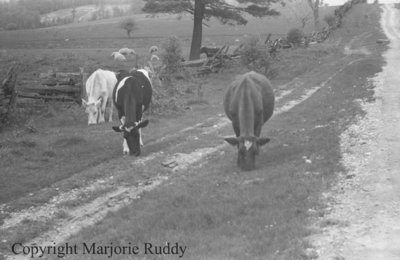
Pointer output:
x,y
102,33
86,12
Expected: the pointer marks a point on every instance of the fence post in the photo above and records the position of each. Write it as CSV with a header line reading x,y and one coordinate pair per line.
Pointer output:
x,y
8,92
83,86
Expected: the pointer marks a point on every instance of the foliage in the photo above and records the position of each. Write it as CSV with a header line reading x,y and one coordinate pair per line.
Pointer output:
x,y
314,5
168,92
201,10
16,17
225,12
165,100
254,56
171,56
128,24
117,11
295,36
11,26
330,19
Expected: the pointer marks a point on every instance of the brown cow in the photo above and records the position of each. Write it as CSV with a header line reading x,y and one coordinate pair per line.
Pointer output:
x,y
248,103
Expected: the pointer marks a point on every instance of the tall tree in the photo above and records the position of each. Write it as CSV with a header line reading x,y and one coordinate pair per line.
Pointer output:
x,y
228,12
314,4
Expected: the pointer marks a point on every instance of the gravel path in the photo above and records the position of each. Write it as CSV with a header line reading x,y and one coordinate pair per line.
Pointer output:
x,y
364,218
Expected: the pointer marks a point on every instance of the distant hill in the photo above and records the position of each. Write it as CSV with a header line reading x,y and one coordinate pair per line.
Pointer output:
x,y
88,12
83,13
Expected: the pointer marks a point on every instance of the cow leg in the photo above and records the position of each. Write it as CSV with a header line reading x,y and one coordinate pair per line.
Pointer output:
x,y
258,127
103,110
140,137
111,111
236,129
125,148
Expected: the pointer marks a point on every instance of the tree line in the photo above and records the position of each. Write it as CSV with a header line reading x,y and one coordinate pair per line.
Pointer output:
x,y
25,14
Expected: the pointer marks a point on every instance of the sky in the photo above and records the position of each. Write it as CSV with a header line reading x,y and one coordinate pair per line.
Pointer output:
x,y
340,2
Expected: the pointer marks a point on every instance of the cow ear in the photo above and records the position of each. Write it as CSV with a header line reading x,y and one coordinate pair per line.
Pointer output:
x,y
232,140
262,140
143,124
117,129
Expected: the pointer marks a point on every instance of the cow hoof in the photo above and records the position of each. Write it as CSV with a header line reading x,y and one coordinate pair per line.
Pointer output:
x,y
125,152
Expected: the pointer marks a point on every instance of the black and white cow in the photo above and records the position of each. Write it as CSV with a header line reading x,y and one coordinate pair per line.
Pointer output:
x,y
132,96
248,103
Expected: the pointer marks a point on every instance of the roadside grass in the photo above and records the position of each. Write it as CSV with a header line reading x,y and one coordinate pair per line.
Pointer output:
x,y
58,149
25,231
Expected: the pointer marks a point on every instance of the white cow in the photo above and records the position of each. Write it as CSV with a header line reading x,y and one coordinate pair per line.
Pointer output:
x,y
118,56
99,89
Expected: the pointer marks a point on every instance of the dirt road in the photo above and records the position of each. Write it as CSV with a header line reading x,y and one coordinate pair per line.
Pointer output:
x,y
365,204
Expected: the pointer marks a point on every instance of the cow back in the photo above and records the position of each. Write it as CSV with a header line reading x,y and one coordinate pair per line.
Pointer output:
x,y
248,100
135,88
146,87
100,83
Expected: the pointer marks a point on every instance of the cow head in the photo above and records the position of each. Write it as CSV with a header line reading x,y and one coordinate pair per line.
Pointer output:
x,y
93,109
248,148
131,137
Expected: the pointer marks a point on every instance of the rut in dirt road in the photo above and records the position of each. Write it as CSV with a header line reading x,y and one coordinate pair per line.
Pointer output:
x,y
366,207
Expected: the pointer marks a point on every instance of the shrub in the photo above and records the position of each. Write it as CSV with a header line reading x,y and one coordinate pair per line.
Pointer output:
x,y
295,36
171,56
11,26
167,94
129,25
254,56
330,20
117,11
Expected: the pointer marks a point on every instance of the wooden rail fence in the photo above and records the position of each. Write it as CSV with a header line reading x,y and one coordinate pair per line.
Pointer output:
x,y
57,86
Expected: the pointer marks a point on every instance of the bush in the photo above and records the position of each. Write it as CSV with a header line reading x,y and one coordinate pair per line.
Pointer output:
x,y
171,56
11,26
129,25
330,20
168,92
117,11
295,36
254,56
